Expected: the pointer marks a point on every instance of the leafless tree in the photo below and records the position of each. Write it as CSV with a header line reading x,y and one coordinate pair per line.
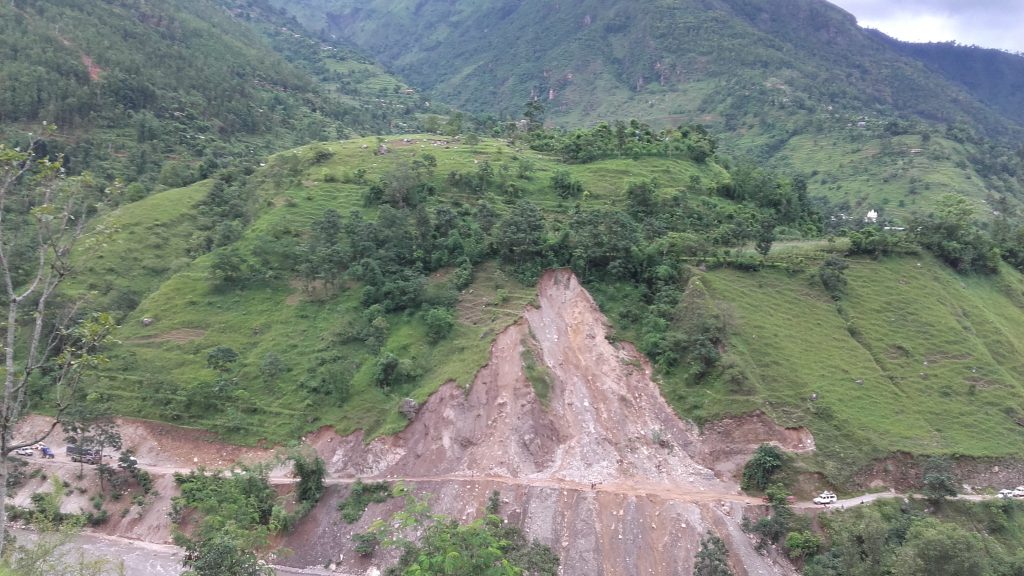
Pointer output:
x,y
41,216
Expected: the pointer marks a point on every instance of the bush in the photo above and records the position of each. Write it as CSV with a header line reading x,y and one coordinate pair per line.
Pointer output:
x,y
713,558
762,466
832,277
440,322
938,480
361,496
366,543
565,185
802,544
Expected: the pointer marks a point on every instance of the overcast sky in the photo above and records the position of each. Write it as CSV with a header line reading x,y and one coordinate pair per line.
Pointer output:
x,y
988,23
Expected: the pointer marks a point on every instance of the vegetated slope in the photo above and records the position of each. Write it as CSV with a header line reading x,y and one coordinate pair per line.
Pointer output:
x,y
312,347
166,93
766,76
994,77
283,317
132,249
914,359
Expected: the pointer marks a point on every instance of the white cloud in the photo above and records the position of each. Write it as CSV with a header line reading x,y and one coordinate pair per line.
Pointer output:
x,y
988,23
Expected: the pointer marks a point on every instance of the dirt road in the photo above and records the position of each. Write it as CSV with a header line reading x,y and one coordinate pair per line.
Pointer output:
x,y
604,472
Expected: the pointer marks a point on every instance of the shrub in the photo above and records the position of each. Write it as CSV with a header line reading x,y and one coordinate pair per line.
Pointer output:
x,y
440,322
762,466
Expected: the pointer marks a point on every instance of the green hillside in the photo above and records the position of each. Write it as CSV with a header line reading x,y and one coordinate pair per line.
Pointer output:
x,y
354,280
167,93
784,82
995,77
918,359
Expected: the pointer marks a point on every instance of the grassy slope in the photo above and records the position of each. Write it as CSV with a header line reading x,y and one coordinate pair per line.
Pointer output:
x,y
781,84
156,366
788,340
934,368
132,249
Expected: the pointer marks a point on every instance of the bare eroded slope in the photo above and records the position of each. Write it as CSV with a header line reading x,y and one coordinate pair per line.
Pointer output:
x,y
605,474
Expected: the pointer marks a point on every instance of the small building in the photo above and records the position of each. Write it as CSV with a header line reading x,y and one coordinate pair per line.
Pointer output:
x,y
871,217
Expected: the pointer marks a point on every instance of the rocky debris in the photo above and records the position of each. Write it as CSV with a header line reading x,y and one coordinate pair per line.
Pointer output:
x,y
605,474
409,408
726,445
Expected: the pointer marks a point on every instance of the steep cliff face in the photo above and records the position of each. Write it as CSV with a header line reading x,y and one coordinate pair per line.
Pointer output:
x,y
604,472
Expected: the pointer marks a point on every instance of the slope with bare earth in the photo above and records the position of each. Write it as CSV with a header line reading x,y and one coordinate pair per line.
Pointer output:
x,y
605,474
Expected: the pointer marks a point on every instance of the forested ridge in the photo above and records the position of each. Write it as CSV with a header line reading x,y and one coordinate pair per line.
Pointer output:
x,y
796,84
167,93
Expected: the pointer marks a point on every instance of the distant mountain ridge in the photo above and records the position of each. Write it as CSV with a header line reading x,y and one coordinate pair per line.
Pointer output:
x,y
173,90
723,59
995,77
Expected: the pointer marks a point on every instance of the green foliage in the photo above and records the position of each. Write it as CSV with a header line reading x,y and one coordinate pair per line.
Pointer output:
x,y
953,236
52,552
800,545
712,558
222,556
311,472
221,358
171,92
895,537
440,322
935,548
750,339
565,186
874,242
366,543
782,521
235,515
536,371
762,467
487,546
361,496
938,480
634,140
832,278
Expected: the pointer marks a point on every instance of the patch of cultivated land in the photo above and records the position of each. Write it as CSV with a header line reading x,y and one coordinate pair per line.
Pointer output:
x,y
920,360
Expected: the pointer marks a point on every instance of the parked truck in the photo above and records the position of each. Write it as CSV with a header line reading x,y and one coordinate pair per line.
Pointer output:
x,y
87,455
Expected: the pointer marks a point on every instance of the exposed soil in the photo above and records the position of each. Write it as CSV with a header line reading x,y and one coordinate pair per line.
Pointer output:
x,y
161,449
92,67
606,475
904,472
727,444
181,335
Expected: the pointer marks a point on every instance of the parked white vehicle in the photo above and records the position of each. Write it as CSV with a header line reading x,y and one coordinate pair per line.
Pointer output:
x,y
1005,493
825,498
26,451
1018,492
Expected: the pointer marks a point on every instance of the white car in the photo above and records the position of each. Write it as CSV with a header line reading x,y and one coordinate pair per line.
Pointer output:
x,y
826,498
1018,492
1005,494
26,451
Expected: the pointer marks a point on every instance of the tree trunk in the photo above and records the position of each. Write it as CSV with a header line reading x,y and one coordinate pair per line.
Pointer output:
x,y
3,502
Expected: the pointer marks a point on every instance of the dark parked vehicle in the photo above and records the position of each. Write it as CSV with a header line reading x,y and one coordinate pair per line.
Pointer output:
x,y
87,455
